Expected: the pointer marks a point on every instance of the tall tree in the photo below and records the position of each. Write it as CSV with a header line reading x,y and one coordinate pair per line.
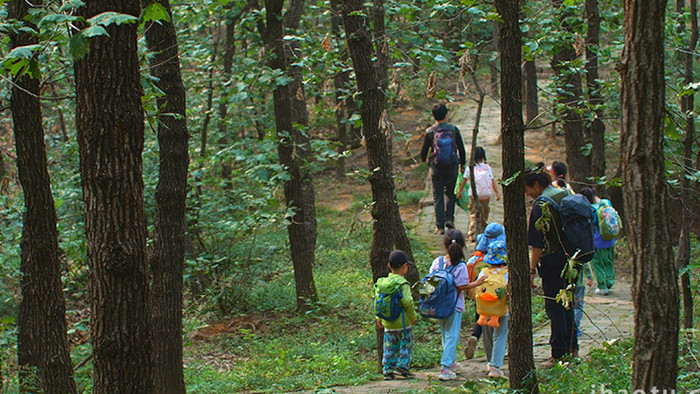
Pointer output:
x,y
532,110
109,120
595,99
294,150
688,187
171,193
42,345
340,85
387,227
654,281
522,363
570,96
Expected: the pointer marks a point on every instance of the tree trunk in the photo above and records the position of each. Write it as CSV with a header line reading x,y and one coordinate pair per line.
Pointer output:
x,y
229,51
384,209
688,187
569,96
109,120
42,345
292,151
596,127
654,282
493,65
521,361
340,84
381,43
171,193
532,110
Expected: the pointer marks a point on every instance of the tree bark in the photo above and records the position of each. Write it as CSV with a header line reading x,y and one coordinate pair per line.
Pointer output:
x,y
654,282
171,193
293,151
340,84
385,210
688,187
532,110
493,64
109,120
522,364
42,345
569,96
595,100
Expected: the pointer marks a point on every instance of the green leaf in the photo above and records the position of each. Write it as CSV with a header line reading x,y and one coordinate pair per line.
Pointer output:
x,y
53,19
23,52
154,12
79,46
69,5
110,17
95,31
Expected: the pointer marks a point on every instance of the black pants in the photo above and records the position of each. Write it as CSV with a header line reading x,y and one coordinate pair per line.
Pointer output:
x,y
444,186
562,339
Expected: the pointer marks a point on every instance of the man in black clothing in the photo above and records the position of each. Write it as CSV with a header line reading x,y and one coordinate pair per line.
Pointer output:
x,y
446,159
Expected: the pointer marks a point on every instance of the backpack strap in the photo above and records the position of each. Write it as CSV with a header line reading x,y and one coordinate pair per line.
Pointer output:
x,y
441,263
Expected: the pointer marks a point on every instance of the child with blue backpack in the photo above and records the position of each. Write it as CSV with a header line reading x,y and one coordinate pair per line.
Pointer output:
x,y
393,297
454,243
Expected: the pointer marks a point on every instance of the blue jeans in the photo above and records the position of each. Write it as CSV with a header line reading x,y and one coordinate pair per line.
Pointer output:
x,y
398,348
449,328
579,294
495,339
444,185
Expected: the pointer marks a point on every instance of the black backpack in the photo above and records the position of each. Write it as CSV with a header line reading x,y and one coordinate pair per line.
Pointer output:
x,y
577,226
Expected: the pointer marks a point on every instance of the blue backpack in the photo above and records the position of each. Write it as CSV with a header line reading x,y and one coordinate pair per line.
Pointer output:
x,y
577,225
438,294
444,146
386,305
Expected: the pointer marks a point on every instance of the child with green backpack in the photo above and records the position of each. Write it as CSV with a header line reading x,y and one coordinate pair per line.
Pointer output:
x,y
394,309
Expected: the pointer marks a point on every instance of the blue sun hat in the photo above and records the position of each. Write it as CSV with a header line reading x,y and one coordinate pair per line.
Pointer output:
x,y
497,254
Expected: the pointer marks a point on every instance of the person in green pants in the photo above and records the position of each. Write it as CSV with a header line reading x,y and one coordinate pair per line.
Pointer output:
x,y
604,257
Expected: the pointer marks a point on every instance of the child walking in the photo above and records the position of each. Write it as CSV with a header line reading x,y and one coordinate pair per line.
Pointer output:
x,y
485,187
450,327
495,338
398,333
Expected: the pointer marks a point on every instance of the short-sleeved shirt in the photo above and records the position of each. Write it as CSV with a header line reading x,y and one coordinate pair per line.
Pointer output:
x,y
467,174
461,278
536,238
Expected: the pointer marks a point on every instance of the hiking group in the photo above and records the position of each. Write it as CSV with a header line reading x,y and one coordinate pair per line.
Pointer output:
x,y
570,235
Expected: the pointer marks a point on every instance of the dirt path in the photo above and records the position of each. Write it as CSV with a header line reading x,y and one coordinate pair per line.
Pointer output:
x,y
606,317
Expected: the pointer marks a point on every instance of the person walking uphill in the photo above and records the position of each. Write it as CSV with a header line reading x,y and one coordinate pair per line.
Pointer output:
x,y
444,141
450,327
394,301
549,259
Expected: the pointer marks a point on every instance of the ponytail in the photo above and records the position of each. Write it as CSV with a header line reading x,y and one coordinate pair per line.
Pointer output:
x,y
454,243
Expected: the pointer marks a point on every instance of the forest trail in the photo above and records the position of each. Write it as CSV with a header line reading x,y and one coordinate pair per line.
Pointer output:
x,y
606,318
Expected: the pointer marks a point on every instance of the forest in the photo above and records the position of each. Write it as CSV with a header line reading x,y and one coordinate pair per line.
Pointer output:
x,y
199,196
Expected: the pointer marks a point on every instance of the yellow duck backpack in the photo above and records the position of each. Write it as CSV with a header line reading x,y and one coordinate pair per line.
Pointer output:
x,y
492,295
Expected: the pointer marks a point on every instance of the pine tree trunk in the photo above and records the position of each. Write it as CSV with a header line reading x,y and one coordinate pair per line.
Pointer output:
x,y
596,127
42,345
521,362
654,282
171,193
569,94
109,120
298,190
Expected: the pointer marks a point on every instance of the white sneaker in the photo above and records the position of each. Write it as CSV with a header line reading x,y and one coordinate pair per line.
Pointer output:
x,y
446,374
495,373
455,367
488,367
602,291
